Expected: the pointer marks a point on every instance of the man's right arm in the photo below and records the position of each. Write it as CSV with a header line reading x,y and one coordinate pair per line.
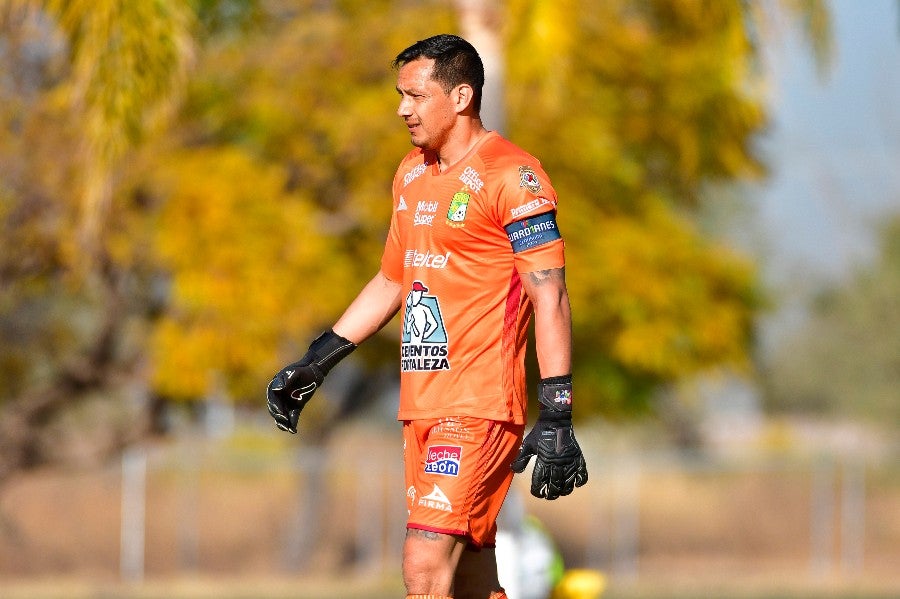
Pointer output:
x,y
294,385
373,308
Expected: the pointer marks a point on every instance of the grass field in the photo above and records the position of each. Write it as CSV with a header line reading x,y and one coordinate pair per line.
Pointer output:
x,y
373,589
217,526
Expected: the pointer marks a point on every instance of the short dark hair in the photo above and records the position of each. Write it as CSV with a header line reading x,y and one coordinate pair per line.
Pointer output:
x,y
456,61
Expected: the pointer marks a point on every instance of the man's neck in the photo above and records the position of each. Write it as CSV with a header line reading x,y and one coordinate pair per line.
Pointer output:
x,y
460,144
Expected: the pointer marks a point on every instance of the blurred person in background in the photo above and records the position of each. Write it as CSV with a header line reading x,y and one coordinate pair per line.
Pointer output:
x,y
528,563
473,251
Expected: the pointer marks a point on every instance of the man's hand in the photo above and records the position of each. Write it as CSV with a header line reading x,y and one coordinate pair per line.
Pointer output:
x,y
293,386
560,465
289,392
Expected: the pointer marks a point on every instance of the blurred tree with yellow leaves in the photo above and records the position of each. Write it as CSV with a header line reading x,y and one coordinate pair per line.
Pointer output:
x,y
247,262
124,64
635,108
632,106
276,197
225,168
80,84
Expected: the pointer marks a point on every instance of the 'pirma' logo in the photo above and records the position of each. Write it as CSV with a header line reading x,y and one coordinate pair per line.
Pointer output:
x,y
443,459
436,500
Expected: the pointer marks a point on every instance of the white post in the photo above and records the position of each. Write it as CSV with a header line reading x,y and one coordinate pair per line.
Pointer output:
x,y
626,526
134,486
188,525
369,517
480,21
853,517
306,519
822,518
600,544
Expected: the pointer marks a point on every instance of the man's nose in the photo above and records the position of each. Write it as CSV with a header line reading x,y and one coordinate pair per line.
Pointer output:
x,y
403,109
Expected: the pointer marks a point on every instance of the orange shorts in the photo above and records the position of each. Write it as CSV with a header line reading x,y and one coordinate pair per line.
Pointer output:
x,y
458,473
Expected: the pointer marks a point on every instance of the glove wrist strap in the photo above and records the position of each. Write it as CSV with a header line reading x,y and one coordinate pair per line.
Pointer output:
x,y
328,349
555,397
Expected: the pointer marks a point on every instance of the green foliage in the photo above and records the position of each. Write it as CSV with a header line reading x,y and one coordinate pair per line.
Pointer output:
x,y
844,361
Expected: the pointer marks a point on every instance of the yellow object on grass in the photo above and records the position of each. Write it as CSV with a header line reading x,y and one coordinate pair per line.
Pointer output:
x,y
580,584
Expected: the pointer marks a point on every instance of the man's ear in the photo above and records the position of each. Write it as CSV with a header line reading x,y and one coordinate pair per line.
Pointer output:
x,y
464,96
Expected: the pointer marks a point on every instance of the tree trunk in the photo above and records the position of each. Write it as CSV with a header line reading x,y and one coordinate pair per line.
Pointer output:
x,y
480,21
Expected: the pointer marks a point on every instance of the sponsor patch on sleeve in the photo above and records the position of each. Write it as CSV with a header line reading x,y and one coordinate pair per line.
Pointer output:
x,y
532,232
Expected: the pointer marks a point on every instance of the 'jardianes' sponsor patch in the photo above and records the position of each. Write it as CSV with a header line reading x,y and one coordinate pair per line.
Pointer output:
x,y
532,232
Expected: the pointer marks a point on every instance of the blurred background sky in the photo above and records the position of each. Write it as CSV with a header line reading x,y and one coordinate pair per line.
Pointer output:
x,y
833,150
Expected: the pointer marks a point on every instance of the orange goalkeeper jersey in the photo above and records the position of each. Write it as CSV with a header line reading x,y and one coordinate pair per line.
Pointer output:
x,y
458,242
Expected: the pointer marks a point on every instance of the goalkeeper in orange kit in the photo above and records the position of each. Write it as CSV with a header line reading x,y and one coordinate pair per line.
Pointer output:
x,y
472,254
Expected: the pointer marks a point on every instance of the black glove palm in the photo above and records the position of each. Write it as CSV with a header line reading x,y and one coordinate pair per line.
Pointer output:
x,y
293,386
560,465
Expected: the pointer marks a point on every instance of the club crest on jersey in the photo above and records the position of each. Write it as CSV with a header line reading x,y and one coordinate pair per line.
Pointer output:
x,y
456,215
443,459
423,342
529,179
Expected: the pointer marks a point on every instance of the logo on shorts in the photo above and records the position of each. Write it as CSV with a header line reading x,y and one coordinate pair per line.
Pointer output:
x,y
436,500
443,459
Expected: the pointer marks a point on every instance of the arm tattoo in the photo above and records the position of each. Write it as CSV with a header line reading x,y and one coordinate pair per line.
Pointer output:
x,y
539,277
424,534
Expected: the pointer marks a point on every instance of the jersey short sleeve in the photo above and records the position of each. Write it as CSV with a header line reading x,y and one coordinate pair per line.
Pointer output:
x,y
527,212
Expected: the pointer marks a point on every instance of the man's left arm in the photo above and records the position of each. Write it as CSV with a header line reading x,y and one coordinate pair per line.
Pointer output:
x,y
559,465
552,320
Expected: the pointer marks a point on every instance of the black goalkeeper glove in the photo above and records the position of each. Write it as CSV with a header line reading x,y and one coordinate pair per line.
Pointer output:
x,y
295,384
560,465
